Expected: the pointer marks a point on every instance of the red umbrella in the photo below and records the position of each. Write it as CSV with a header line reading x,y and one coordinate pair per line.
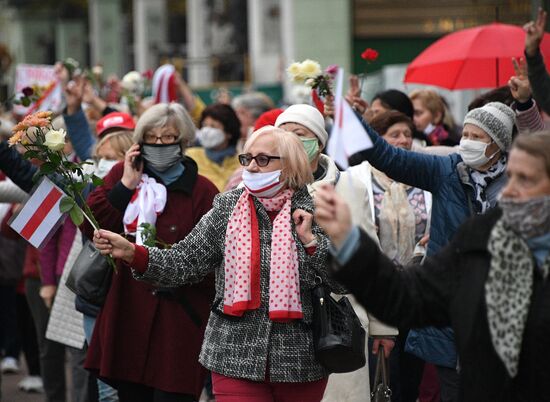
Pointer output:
x,y
472,58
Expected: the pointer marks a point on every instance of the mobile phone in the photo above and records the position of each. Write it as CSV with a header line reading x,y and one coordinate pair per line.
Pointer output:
x,y
138,161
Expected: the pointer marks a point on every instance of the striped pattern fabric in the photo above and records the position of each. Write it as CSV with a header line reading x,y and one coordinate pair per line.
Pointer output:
x,y
530,120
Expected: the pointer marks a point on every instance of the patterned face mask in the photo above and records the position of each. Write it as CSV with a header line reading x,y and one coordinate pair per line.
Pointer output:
x,y
263,185
529,218
161,157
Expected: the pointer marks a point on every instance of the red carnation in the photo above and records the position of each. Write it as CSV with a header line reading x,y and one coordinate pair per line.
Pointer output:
x,y
148,74
369,54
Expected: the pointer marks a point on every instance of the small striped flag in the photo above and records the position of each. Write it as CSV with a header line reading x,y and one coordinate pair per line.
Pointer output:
x,y
164,84
40,216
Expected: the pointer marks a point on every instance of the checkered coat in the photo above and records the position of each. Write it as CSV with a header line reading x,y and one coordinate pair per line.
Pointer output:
x,y
252,346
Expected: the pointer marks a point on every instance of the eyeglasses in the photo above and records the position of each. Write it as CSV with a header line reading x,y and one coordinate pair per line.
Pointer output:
x,y
261,160
165,139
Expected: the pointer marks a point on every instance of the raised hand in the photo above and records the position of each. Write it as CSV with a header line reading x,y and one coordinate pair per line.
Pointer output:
x,y
329,106
534,33
332,213
88,94
519,84
74,91
61,73
353,95
184,91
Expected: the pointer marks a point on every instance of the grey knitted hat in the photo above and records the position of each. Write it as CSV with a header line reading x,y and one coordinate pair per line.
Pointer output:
x,y
497,120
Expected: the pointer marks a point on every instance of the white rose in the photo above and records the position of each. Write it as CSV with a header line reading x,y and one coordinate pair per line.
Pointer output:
x,y
310,82
97,70
310,68
133,82
295,72
55,139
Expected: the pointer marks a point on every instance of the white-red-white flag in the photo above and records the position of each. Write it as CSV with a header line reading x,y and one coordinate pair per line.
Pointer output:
x,y
348,135
40,216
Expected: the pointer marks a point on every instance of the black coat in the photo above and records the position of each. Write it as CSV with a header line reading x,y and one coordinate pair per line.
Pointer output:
x,y
448,289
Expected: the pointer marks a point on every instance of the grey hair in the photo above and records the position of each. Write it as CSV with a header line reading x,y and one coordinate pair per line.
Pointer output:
x,y
255,102
163,114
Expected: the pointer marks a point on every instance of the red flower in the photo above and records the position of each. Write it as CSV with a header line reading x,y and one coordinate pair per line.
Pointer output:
x,y
148,74
27,91
369,54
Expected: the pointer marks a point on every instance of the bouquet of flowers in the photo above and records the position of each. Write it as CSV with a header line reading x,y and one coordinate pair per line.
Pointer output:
x,y
309,72
45,144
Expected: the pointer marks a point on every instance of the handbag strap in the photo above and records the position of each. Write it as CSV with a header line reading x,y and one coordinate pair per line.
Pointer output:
x,y
378,372
382,362
381,376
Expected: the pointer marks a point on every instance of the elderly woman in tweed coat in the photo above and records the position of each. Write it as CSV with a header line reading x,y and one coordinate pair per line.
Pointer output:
x,y
266,252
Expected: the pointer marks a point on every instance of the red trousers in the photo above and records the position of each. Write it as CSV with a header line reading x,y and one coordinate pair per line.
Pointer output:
x,y
228,389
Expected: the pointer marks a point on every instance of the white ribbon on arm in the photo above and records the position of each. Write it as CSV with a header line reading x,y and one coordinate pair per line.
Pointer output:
x,y
149,203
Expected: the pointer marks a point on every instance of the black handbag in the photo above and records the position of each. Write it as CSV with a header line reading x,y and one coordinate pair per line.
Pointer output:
x,y
381,391
90,276
338,336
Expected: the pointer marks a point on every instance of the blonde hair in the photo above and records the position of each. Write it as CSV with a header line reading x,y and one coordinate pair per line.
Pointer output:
x,y
432,101
164,114
296,169
120,141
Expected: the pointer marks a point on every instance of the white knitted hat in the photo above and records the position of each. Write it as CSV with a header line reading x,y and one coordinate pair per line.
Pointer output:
x,y
307,116
497,120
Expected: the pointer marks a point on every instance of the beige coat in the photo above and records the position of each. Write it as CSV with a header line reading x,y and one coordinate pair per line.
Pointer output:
x,y
354,386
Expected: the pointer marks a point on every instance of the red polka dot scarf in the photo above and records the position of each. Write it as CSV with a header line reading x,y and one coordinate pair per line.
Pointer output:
x,y
242,260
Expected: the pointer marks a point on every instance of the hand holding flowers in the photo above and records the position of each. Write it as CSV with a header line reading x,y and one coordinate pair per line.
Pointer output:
x,y
310,73
42,142
45,144
369,55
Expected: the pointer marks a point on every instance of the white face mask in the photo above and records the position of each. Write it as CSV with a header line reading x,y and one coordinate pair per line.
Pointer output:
x,y
429,128
210,137
263,185
104,166
473,153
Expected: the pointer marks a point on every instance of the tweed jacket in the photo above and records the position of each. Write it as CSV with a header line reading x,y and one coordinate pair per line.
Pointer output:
x,y
252,346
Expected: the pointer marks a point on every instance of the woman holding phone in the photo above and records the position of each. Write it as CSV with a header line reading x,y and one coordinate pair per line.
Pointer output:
x,y
147,339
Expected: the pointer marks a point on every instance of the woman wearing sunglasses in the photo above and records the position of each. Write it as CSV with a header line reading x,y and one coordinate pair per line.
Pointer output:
x,y
265,251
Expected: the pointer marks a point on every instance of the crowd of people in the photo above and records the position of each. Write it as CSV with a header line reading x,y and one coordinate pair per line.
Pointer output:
x,y
439,234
